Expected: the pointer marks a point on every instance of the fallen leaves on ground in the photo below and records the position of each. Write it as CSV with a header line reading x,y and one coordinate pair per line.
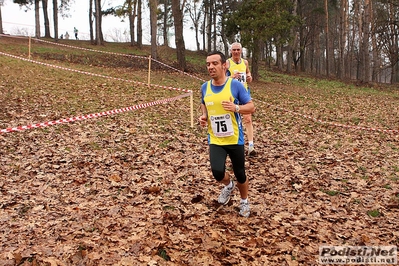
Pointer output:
x,y
136,188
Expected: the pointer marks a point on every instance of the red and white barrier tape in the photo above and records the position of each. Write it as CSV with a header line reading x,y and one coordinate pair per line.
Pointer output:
x,y
93,74
84,117
389,131
112,53
91,50
185,73
126,55
188,93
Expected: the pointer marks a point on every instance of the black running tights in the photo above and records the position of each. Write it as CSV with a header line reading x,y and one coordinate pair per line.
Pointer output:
x,y
218,155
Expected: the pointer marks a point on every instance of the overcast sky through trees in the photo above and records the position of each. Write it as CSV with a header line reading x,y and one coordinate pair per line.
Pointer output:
x,y
18,22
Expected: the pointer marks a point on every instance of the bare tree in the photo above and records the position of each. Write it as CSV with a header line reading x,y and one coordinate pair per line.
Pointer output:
x,y
91,20
292,40
37,18
208,11
55,16
99,37
376,62
132,8
343,30
1,19
139,24
177,11
46,19
392,38
327,35
166,20
129,9
362,15
203,26
214,26
153,21
194,11
366,40
222,11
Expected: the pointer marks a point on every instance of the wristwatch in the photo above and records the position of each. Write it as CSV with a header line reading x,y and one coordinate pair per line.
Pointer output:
x,y
237,108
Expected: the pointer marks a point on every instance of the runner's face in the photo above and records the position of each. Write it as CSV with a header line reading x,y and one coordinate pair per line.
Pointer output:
x,y
215,67
236,52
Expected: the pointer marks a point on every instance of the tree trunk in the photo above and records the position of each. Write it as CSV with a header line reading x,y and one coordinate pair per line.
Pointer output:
x,y
132,5
139,24
310,54
99,39
91,21
222,30
37,18
203,26
279,55
195,16
256,53
209,25
365,42
343,29
327,38
318,54
46,19
351,54
395,71
153,22
165,23
291,44
359,37
214,35
177,12
55,15
394,46
269,51
302,50
1,23
197,37
376,62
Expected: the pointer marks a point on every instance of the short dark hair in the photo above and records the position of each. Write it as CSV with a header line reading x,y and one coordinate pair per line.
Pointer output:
x,y
223,58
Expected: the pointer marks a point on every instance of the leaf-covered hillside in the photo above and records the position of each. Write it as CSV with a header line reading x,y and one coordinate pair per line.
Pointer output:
x,y
135,188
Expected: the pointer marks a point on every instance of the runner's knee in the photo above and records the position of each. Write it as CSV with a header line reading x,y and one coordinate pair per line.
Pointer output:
x,y
240,176
218,174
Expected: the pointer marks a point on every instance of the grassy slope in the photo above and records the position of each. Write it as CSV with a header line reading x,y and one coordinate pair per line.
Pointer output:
x,y
135,188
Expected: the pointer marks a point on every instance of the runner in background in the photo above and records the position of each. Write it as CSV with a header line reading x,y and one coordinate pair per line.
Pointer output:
x,y
75,30
238,68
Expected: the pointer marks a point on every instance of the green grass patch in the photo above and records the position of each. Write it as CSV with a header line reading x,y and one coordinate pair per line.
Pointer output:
x,y
387,186
169,208
373,213
330,192
163,254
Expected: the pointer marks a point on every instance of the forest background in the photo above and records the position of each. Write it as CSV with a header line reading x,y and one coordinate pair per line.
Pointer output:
x,y
356,40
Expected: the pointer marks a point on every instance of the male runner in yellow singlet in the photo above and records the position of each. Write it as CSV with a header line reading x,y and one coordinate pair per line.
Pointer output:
x,y
238,68
223,100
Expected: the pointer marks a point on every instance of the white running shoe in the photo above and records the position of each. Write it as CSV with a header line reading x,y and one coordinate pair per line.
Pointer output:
x,y
244,209
224,196
251,150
